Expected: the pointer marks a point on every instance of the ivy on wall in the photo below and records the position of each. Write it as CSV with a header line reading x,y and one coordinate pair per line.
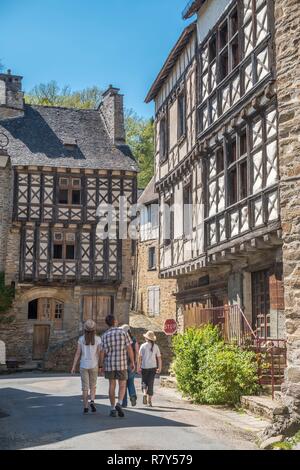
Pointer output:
x,y
6,297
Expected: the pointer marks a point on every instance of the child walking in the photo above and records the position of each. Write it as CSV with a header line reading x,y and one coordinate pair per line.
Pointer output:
x,y
149,364
88,351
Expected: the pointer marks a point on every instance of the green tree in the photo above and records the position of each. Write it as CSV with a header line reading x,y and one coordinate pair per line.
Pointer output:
x,y
140,137
51,94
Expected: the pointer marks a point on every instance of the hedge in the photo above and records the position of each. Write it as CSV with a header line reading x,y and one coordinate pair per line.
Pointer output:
x,y
211,372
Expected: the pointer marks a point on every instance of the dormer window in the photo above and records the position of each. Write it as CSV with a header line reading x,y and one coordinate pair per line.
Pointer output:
x,y
69,191
70,144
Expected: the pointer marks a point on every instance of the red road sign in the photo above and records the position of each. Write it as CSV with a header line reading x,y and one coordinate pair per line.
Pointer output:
x,y
170,327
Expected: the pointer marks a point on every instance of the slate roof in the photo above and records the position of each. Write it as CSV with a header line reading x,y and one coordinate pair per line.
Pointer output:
x,y
149,194
39,136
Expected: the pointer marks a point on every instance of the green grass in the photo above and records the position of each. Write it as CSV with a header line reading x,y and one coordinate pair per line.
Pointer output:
x,y
288,444
282,446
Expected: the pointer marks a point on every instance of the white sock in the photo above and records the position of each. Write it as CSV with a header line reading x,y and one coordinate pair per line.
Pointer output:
x,y
120,402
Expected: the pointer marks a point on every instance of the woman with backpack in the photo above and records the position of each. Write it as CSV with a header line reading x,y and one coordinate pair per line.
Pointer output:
x,y
149,364
131,374
88,351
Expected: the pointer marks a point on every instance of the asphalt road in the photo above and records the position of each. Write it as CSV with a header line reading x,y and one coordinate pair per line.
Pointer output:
x,y
45,412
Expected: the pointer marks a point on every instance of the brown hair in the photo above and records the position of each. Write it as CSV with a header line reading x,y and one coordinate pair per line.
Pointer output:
x,y
89,338
110,320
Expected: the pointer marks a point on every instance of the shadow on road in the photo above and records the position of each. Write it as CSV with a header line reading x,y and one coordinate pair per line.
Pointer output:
x,y
37,419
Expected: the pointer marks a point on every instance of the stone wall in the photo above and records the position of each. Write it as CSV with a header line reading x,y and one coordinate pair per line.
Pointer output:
x,y
5,206
123,299
287,29
18,335
60,357
112,110
146,278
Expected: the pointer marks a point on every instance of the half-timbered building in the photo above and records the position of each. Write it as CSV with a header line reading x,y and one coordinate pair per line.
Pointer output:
x,y
65,165
217,167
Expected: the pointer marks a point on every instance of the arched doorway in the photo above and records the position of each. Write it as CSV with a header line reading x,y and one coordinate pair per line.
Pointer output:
x,y
47,310
45,313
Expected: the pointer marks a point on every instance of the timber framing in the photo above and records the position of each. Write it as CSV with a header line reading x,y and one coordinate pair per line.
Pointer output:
x,y
44,222
229,154
171,60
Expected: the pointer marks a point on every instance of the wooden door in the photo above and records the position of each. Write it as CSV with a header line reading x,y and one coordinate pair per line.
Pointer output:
x,y
261,303
41,336
97,308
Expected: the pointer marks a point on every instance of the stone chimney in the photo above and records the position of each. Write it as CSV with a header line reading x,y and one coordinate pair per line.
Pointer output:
x,y
11,95
5,203
112,110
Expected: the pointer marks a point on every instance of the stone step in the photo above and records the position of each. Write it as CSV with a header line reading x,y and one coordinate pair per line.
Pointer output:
x,y
29,366
262,406
268,388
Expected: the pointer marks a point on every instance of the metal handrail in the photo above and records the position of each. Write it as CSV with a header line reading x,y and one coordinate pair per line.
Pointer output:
x,y
235,325
236,328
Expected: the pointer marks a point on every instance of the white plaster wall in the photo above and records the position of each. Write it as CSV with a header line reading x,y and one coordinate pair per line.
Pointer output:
x,y
209,15
178,214
178,70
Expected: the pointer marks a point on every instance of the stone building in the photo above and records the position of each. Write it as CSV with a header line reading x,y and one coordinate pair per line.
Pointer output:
x,y
153,296
287,41
227,163
66,165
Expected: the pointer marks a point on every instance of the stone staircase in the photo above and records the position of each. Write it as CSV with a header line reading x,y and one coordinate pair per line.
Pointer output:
x,y
60,357
271,369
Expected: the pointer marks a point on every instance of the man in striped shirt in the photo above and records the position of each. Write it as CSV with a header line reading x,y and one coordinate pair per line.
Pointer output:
x,y
115,345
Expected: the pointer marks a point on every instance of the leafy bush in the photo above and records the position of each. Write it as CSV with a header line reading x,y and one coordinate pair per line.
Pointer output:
x,y
190,357
210,371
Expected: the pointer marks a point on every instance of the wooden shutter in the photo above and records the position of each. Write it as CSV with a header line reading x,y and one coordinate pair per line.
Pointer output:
x,y
156,301
150,301
97,308
87,308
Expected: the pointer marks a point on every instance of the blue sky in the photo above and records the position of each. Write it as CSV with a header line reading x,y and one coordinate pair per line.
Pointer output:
x,y
87,42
